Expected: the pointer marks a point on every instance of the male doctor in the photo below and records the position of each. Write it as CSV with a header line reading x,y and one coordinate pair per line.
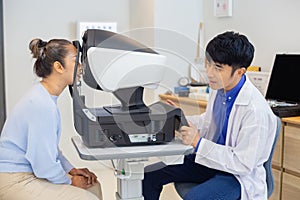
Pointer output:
x,y
232,139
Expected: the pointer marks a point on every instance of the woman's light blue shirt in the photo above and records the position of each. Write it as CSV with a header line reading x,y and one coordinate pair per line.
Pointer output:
x,y
30,137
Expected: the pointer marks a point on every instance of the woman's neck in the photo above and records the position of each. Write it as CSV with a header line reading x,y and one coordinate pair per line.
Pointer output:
x,y
53,87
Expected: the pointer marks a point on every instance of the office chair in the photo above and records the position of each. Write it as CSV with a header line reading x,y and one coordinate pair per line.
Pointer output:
x,y
182,188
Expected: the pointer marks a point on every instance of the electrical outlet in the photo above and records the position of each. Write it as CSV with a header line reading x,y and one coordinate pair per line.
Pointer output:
x,y
83,26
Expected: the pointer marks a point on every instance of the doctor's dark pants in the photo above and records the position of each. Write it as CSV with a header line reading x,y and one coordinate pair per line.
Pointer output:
x,y
213,184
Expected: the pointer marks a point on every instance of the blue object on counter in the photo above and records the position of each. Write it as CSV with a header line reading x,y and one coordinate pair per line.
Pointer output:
x,y
180,88
183,93
207,89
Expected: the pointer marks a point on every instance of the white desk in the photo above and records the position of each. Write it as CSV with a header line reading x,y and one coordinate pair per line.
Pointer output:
x,y
130,170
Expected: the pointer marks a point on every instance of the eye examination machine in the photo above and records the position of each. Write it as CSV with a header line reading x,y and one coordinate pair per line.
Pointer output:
x,y
122,66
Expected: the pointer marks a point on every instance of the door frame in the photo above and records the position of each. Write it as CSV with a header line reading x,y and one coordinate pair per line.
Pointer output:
x,y
2,75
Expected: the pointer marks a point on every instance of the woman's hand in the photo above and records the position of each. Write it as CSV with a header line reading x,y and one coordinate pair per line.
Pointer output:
x,y
189,135
90,177
81,182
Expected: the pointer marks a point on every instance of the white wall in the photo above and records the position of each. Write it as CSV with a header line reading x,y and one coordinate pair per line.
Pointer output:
x,y
176,23
271,25
171,28
25,20
141,16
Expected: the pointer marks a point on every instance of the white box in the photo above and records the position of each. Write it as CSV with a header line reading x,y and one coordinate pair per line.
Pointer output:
x,y
260,80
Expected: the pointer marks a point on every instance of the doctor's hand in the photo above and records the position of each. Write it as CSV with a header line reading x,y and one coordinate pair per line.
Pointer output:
x,y
170,102
91,178
189,135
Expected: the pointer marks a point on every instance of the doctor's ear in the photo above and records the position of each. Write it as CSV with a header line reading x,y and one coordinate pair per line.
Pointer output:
x,y
241,71
58,67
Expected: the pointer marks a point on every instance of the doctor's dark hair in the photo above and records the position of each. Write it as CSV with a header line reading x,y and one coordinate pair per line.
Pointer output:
x,y
46,53
230,48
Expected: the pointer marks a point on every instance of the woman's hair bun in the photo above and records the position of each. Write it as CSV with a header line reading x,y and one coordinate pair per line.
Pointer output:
x,y
36,47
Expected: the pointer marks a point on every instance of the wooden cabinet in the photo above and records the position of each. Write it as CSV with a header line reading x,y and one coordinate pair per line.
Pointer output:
x,y
277,156
277,167
277,174
291,153
291,161
290,187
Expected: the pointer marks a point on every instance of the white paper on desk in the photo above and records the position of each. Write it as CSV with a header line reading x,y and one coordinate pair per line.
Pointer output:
x,y
199,96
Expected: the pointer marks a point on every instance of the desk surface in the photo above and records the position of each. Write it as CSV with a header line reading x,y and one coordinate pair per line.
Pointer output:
x,y
294,120
169,149
185,100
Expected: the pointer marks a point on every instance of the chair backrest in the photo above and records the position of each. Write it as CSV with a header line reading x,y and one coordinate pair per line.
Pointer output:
x,y
183,188
268,163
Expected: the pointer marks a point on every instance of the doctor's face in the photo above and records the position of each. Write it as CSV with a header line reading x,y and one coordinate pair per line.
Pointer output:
x,y
220,75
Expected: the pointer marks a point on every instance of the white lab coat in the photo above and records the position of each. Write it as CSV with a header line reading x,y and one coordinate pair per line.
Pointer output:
x,y
250,135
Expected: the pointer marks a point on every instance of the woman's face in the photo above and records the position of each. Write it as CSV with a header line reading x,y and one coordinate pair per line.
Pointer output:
x,y
70,61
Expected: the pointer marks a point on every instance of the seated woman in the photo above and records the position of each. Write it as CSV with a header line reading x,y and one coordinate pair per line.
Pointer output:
x,y
31,164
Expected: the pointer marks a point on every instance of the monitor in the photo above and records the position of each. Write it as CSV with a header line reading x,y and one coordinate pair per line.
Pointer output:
x,y
285,78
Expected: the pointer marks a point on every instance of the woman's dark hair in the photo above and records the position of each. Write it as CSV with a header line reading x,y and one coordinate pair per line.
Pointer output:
x,y
232,49
46,53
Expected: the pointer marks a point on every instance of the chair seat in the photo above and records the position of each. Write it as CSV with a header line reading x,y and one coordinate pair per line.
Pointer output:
x,y
183,188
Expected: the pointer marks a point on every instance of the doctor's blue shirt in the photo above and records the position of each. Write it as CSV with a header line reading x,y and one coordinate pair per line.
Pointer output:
x,y
222,108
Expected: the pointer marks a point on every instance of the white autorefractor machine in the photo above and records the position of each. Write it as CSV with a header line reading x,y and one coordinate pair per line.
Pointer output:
x,y
115,63
130,131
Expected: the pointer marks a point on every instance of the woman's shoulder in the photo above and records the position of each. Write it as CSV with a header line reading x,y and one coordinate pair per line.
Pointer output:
x,y
36,100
